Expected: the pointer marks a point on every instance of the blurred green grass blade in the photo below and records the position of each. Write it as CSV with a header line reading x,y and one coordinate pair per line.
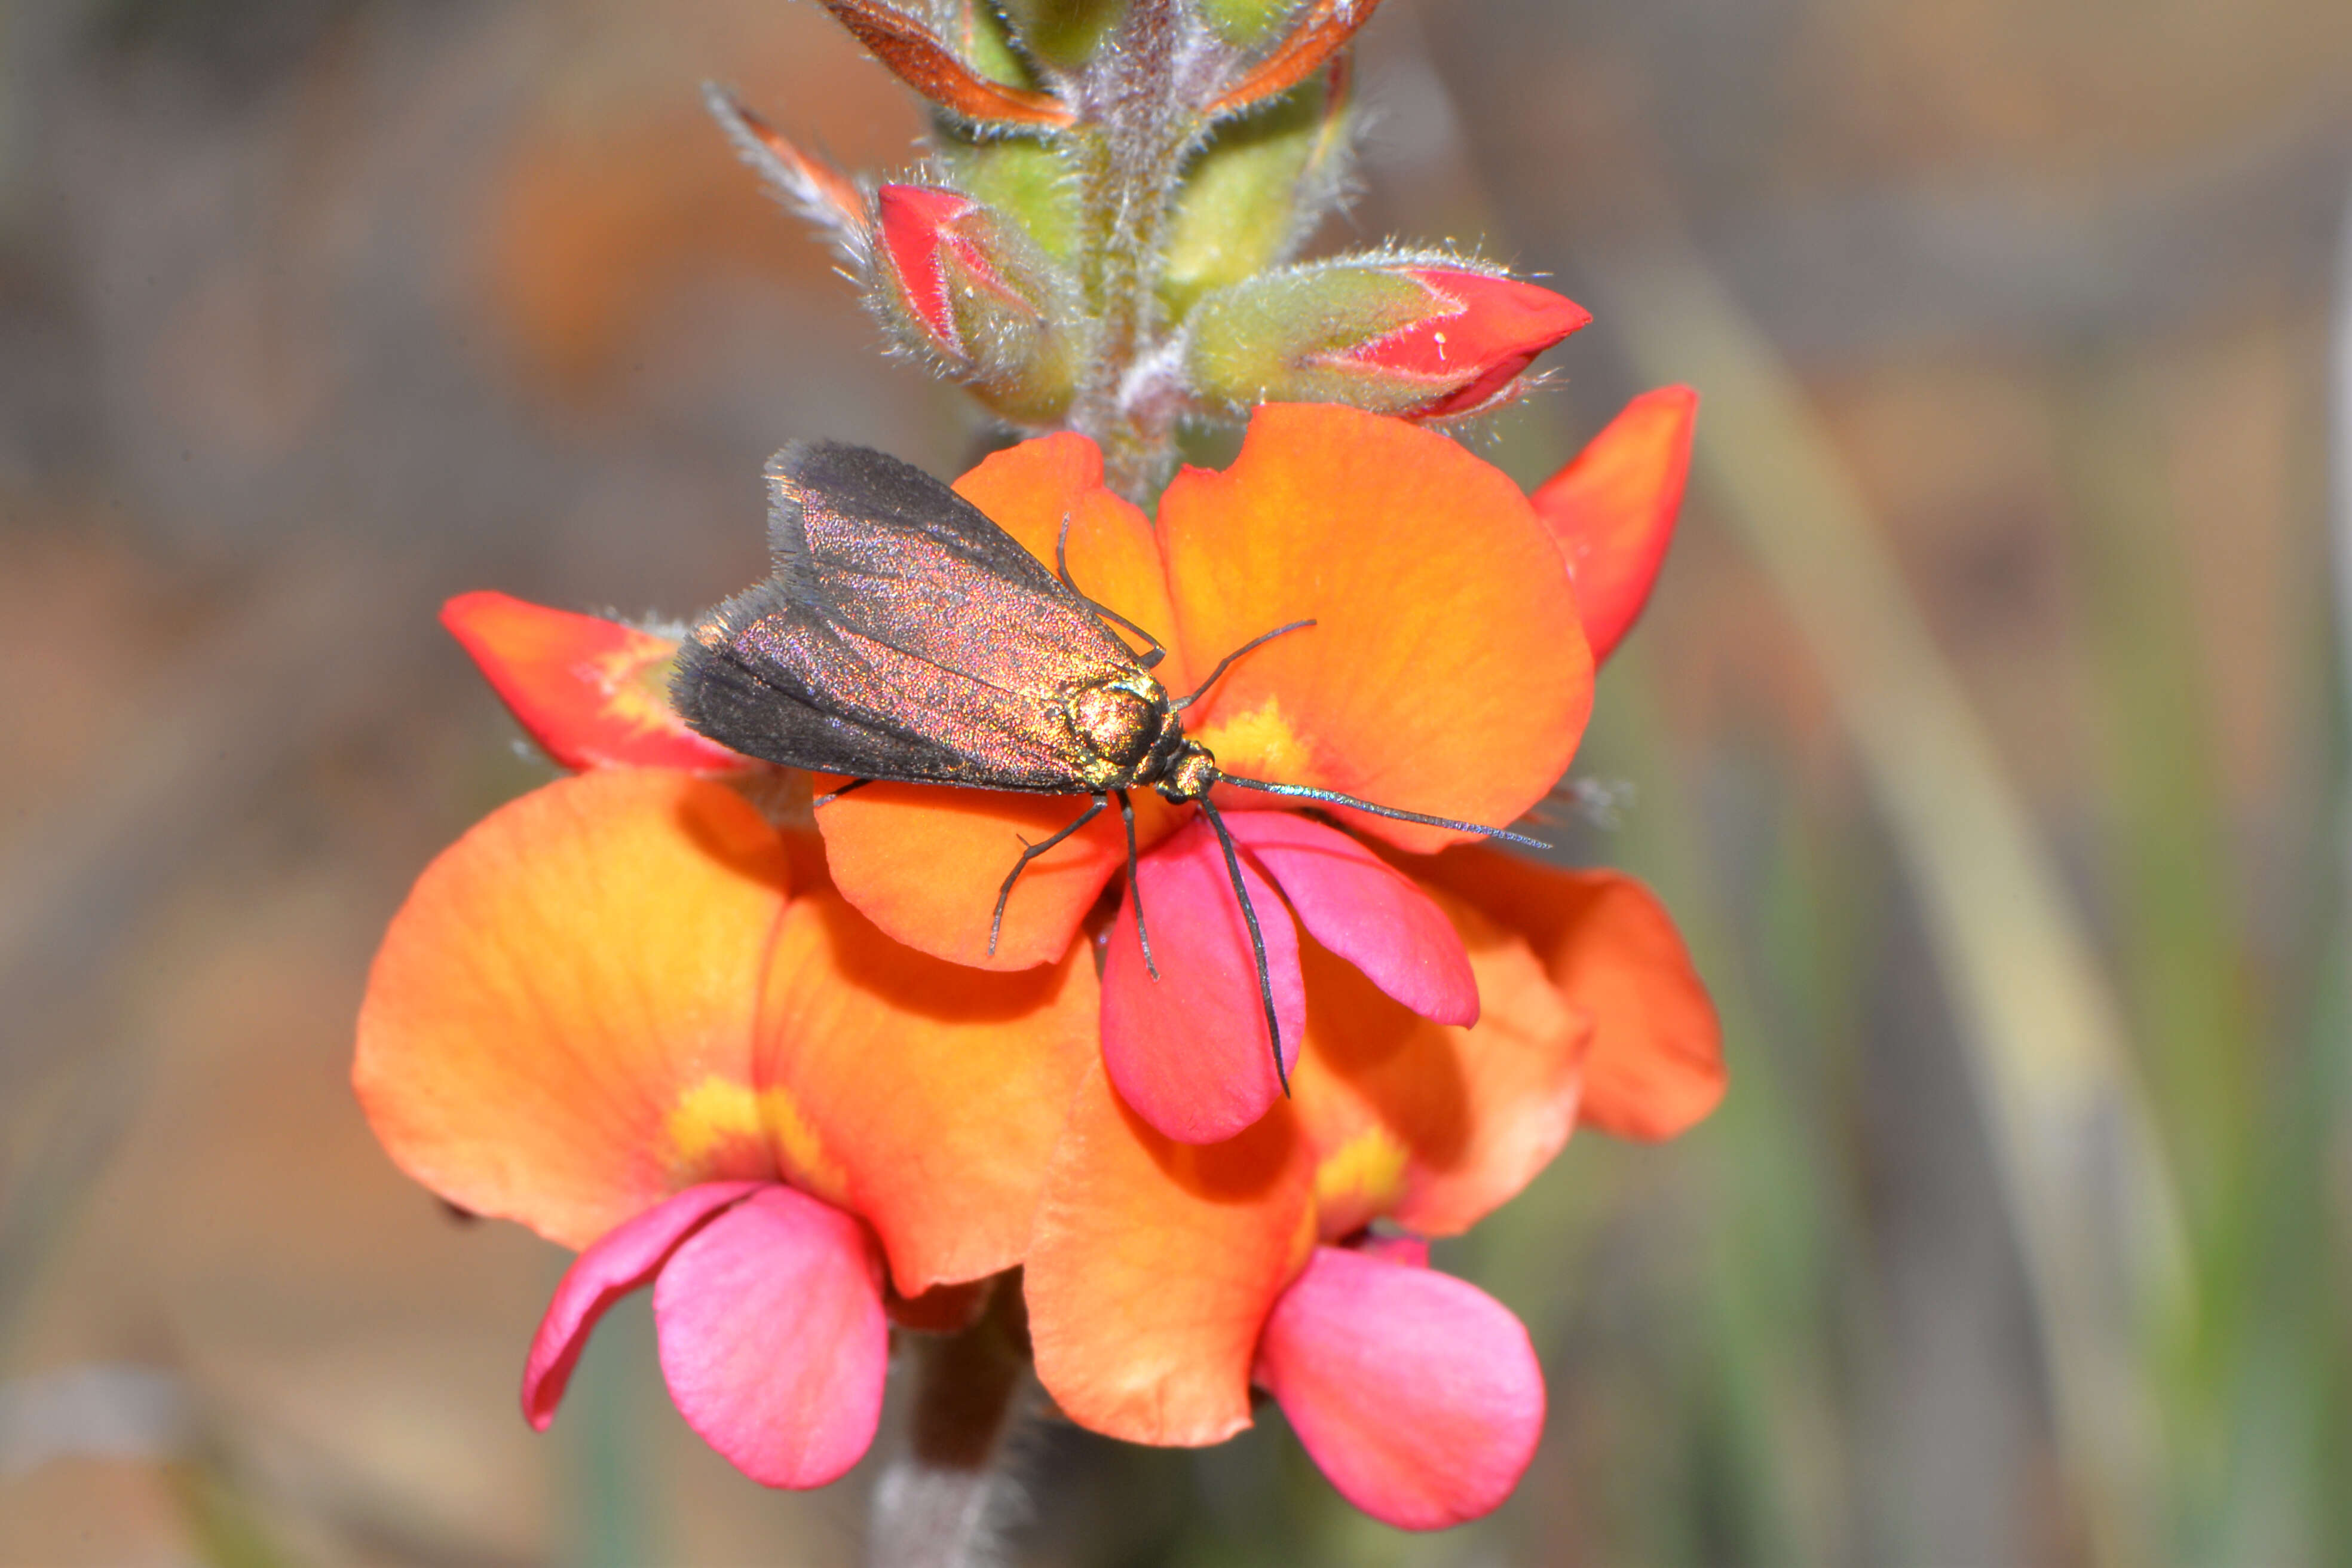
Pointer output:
x,y
2089,1194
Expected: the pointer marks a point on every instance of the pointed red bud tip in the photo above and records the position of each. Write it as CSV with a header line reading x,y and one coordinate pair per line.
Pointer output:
x,y
1613,508
925,234
591,692
1480,333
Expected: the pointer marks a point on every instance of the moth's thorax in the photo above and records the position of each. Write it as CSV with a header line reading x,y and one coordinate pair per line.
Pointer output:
x,y
1118,721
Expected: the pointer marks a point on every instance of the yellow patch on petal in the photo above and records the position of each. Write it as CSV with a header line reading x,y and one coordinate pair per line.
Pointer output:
x,y
1360,1180
722,1128
1261,744
1446,671
940,1090
635,679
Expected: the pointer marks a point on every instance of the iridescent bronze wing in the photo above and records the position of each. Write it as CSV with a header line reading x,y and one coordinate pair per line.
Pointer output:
x,y
904,635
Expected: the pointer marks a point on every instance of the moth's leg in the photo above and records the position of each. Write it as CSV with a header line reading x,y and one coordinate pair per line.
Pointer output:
x,y
836,795
1135,888
1226,662
1029,852
1257,939
1062,570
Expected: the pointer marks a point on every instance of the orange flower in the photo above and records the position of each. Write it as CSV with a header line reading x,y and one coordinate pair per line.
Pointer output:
x,y
562,1025
1445,673
1613,508
1163,1278
612,1012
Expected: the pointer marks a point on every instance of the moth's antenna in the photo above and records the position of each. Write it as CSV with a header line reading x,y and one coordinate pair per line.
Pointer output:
x,y
1135,887
1062,570
1257,941
1333,797
1225,662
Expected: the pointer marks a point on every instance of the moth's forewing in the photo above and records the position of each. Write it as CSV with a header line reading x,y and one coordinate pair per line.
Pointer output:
x,y
904,635
739,681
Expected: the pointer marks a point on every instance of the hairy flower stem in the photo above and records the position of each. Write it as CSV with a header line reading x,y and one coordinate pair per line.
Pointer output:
x,y
1138,115
932,1507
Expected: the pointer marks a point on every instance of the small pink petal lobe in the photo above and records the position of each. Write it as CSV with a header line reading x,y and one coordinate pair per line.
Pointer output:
x,y
628,1256
1417,1394
774,1339
1374,917
1188,1051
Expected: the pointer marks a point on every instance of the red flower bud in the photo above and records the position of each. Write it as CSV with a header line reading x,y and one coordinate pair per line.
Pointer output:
x,y
1480,332
932,258
967,286
1418,340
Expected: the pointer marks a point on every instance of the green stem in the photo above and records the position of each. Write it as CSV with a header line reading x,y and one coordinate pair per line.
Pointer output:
x,y
1136,122
933,1506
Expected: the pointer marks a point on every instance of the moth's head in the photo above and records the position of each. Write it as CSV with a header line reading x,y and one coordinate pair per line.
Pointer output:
x,y
1189,776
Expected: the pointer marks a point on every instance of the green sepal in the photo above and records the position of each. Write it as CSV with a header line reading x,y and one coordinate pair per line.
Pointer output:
x,y
977,32
1027,177
1250,198
1063,34
1277,339
1244,22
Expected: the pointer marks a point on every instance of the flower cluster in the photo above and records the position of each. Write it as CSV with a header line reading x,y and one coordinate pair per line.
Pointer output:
x,y
763,1047
758,1057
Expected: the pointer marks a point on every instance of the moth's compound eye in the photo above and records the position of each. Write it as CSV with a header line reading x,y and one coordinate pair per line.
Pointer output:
x,y
1118,725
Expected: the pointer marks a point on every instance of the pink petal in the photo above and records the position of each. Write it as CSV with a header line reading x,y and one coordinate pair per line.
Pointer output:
x,y
1370,914
773,1340
1405,1251
1189,1050
1416,1393
625,1257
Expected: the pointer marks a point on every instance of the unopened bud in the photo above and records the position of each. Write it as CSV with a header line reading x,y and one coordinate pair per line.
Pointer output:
x,y
1417,339
967,288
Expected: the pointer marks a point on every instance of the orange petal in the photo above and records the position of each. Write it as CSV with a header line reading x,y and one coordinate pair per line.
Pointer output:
x,y
1028,489
558,1029
1432,1126
1613,507
1446,672
925,1096
591,692
926,862
1154,1264
1656,1063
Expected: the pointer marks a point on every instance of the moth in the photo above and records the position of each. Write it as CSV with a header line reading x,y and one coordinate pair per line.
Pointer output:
x,y
904,636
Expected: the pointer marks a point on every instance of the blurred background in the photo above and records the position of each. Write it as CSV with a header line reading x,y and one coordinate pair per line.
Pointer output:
x,y
1986,735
